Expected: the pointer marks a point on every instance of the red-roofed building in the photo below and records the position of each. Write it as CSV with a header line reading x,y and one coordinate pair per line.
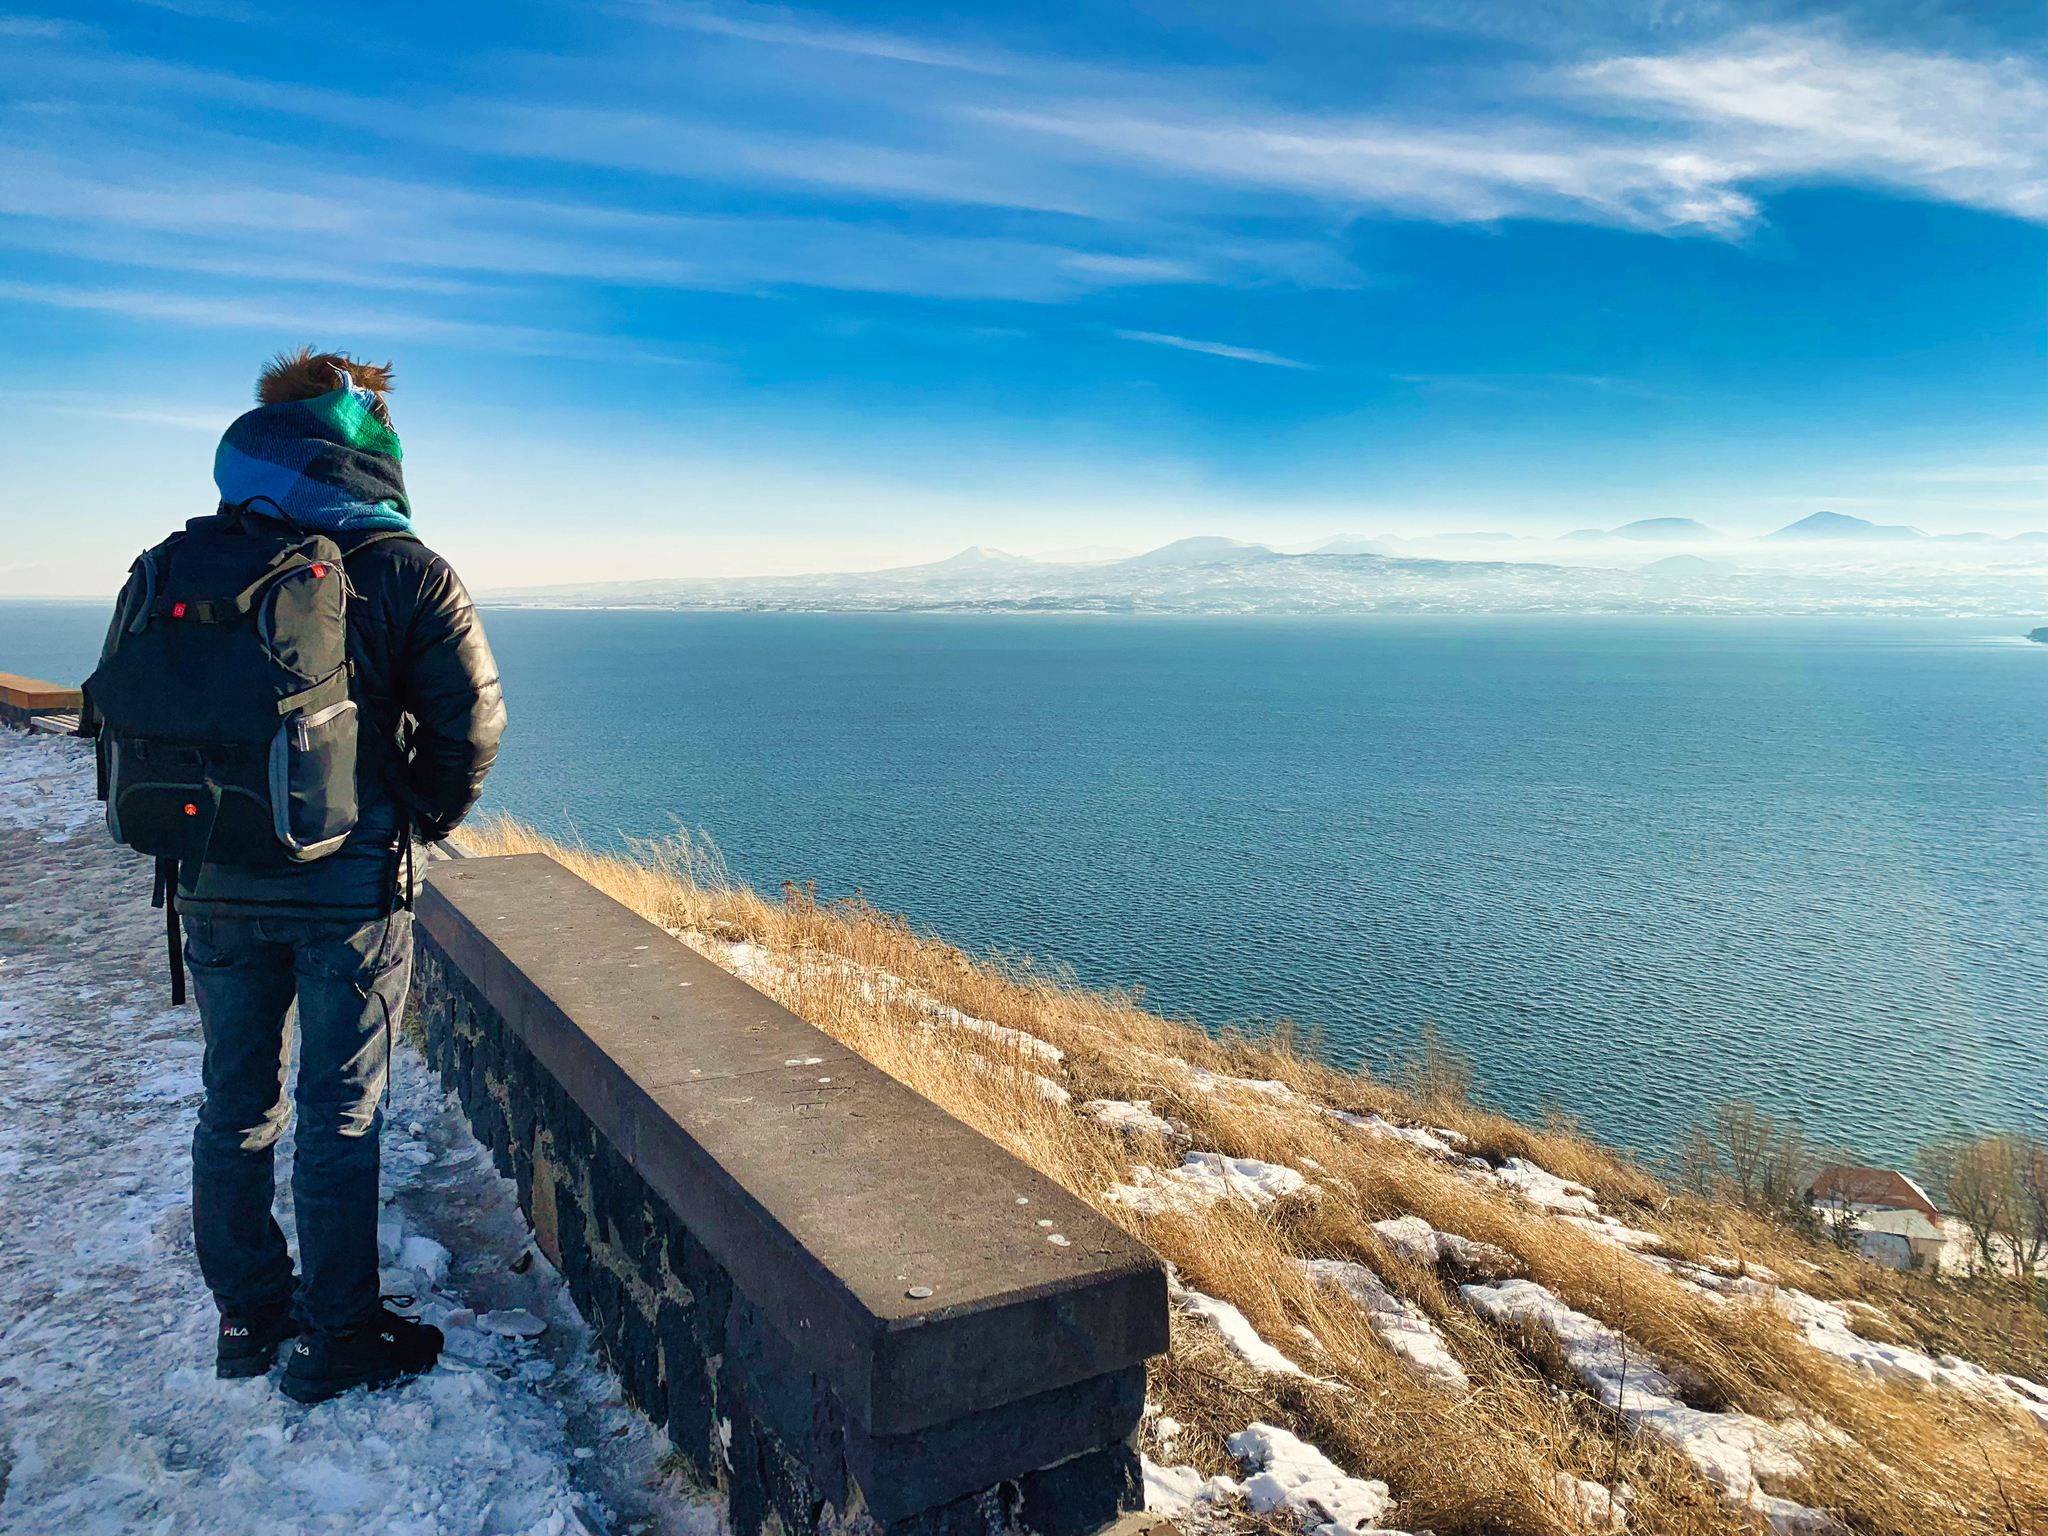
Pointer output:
x,y
1872,1189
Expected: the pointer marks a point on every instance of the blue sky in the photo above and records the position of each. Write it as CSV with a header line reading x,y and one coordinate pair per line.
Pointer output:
x,y
712,289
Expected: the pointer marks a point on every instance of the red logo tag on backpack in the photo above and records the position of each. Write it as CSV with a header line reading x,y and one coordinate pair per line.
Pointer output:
x,y
177,610
319,569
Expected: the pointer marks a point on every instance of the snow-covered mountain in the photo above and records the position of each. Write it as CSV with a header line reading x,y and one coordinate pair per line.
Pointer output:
x,y
1212,574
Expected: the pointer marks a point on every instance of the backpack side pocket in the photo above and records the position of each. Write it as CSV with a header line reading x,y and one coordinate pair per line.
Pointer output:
x,y
313,781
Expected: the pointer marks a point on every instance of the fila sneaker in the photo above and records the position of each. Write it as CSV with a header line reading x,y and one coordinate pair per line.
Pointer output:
x,y
380,1349
247,1345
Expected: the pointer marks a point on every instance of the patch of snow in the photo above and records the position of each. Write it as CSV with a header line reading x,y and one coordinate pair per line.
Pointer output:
x,y
1732,1450
1286,1472
1203,1080
1613,1233
1599,1508
1177,1491
1202,1179
1044,1087
181,1084
428,1257
46,786
1238,1333
1710,1283
1401,1325
512,1323
1016,1039
1541,1187
749,961
1419,1243
1825,1326
1431,1140
1133,1119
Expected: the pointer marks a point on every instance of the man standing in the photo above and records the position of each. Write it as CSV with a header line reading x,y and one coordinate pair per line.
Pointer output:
x,y
329,927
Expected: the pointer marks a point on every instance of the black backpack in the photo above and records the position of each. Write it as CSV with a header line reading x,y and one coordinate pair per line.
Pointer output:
x,y
227,733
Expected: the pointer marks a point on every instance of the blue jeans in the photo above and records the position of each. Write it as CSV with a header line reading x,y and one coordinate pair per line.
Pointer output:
x,y
350,981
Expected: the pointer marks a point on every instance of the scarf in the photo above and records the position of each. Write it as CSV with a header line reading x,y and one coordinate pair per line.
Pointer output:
x,y
327,463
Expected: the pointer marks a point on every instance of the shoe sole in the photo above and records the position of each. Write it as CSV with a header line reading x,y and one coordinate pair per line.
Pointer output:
x,y
299,1390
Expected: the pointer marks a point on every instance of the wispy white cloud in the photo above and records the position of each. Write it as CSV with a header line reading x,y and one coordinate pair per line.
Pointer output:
x,y
67,403
42,27
212,10
1213,348
1531,384
247,211
314,318
1660,144
787,28
1669,141
999,175
1775,103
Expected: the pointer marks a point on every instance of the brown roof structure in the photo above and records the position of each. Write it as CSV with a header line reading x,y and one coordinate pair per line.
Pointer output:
x,y
1873,1186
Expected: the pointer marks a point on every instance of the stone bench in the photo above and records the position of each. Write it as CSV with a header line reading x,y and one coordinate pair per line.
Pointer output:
x,y
24,698
841,1302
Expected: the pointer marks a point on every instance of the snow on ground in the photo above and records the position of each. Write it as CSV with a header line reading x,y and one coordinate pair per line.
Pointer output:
x,y
1289,1473
1825,1326
1599,1508
1732,1450
1570,1203
1044,1087
1202,1179
1614,1233
1202,1080
1133,1119
1016,1039
748,961
1401,1325
1960,1254
41,788
1238,1333
111,1416
1183,1493
1435,1140
1540,1187
1419,1243
1710,1283
1284,1474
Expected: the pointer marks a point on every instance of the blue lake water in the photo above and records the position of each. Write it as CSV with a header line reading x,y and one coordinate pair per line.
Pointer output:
x,y
1631,865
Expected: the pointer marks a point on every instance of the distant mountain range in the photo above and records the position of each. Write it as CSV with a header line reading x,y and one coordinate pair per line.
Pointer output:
x,y
1827,527
1655,529
1211,574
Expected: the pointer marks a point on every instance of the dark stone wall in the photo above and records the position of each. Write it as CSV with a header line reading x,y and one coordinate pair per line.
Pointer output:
x,y
697,1358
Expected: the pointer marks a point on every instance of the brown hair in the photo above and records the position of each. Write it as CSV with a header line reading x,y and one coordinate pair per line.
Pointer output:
x,y
303,374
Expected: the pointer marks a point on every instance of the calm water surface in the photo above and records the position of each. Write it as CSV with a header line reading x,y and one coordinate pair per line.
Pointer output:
x,y
1631,865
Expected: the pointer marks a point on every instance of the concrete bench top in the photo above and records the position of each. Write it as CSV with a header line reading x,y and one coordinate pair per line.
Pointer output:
x,y
35,694
825,1187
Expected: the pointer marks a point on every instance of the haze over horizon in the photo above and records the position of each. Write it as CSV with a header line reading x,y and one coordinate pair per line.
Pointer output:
x,y
728,290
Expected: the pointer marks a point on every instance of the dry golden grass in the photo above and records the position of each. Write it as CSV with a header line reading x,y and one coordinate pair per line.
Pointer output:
x,y
1482,1462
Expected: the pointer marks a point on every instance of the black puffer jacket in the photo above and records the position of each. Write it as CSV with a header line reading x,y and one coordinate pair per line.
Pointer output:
x,y
432,714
